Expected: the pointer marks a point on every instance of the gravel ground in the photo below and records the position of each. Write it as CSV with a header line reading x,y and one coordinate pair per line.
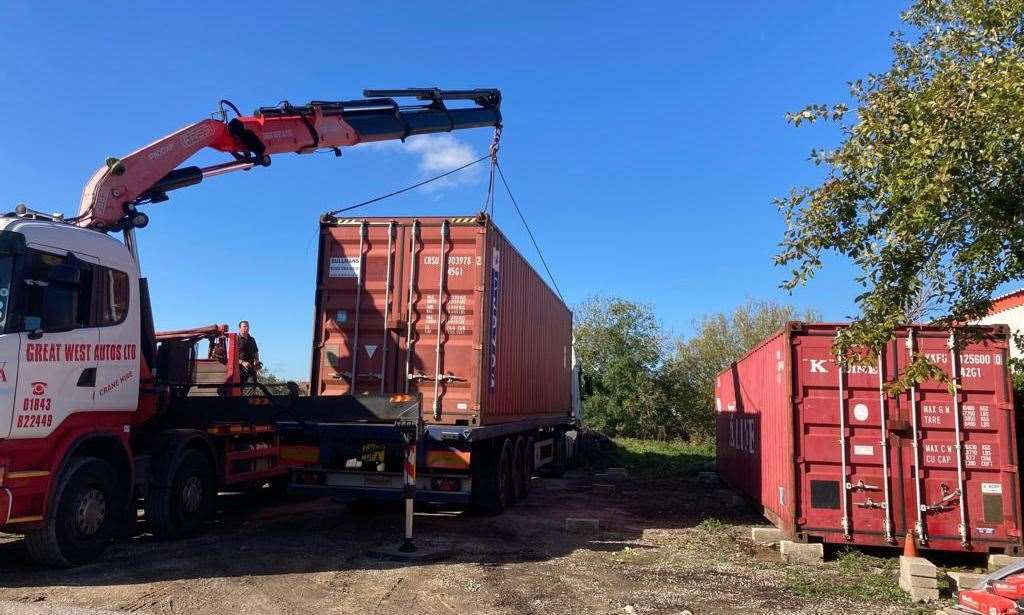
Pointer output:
x,y
666,547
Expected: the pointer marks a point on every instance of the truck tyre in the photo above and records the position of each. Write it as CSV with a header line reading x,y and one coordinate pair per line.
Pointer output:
x,y
84,515
491,484
511,473
519,469
185,499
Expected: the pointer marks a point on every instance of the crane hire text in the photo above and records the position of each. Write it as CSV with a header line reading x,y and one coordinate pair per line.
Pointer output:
x,y
40,352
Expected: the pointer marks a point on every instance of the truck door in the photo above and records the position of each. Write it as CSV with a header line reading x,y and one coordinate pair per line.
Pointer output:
x,y
9,345
57,375
117,314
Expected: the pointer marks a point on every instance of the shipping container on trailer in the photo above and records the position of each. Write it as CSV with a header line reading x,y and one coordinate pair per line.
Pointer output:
x,y
484,339
445,310
830,455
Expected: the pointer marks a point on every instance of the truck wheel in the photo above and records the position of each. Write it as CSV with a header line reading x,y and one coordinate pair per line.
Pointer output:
x,y
84,515
511,473
187,500
519,470
491,484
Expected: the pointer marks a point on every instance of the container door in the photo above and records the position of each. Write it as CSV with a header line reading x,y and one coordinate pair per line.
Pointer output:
x,y
356,309
441,362
964,496
843,447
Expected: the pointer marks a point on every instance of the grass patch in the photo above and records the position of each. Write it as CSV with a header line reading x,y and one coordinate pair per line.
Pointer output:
x,y
860,578
662,459
711,525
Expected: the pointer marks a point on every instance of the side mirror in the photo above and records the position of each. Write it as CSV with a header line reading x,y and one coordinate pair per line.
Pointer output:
x,y
60,298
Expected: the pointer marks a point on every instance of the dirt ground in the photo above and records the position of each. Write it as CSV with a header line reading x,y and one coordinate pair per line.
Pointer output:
x,y
668,546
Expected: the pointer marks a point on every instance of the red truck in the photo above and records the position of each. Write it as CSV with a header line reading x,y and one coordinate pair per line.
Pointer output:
x,y
93,416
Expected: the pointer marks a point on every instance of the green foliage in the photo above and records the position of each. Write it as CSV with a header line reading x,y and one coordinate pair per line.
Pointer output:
x,y
621,348
661,459
925,190
720,339
643,387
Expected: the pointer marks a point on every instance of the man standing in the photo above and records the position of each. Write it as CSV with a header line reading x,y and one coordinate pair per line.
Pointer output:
x,y
248,353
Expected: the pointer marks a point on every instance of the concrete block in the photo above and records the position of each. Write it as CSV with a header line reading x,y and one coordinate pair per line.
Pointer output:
x,y
922,594
917,567
923,582
582,526
801,553
604,489
619,472
998,560
766,535
965,580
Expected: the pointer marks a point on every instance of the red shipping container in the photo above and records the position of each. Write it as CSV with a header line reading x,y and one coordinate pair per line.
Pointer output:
x,y
830,456
483,339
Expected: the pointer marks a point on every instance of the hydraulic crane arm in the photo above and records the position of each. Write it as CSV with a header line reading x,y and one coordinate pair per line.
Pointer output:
x,y
147,174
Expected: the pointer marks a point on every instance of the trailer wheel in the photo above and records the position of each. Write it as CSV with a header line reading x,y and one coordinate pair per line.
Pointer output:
x,y
492,487
84,517
187,500
520,473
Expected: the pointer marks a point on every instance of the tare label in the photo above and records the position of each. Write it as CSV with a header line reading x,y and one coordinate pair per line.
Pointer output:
x,y
344,267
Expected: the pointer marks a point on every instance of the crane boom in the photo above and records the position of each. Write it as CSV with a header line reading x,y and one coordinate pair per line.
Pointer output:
x,y
110,198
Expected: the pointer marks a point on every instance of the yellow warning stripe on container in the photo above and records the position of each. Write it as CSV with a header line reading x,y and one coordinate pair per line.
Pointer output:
x,y
357,221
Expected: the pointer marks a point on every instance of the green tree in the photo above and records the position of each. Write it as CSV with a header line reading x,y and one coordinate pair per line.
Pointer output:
x,y
719,340
621,348
926,188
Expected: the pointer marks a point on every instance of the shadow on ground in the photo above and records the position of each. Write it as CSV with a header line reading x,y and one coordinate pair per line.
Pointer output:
x,y
255,535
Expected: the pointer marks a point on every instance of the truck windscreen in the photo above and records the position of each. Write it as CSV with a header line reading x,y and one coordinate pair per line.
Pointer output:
x,y
6,272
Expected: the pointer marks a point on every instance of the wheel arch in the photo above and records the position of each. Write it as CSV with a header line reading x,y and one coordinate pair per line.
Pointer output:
x,y
103,445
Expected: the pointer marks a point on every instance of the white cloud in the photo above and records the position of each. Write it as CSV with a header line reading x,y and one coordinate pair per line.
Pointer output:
x,y
438,153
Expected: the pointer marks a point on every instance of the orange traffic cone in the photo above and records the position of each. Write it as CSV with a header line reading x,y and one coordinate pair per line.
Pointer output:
x,y
909,545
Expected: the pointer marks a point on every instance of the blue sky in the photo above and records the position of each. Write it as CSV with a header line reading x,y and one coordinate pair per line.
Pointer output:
x,y
644,141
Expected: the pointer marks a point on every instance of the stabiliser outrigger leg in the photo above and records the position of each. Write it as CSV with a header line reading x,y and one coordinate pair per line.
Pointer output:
x,y
411,431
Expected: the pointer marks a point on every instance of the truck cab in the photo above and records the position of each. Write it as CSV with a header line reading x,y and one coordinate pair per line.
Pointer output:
x,y
69,343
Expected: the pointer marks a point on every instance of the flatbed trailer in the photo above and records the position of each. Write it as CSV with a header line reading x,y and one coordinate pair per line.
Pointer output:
x,y
443,310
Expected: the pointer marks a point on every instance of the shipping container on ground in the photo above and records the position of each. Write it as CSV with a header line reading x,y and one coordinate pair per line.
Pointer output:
x,y
830,456
444,309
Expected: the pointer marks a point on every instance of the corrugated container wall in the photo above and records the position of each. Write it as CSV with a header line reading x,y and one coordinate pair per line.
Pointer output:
x,y
830,455
483,339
